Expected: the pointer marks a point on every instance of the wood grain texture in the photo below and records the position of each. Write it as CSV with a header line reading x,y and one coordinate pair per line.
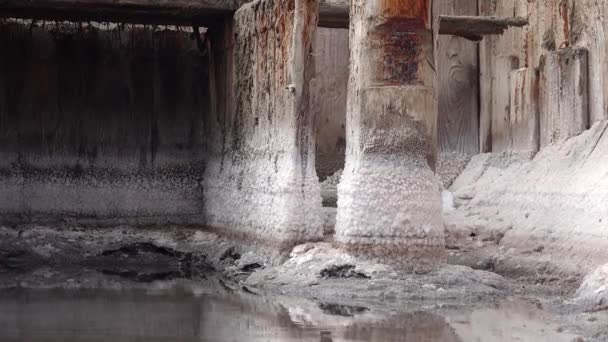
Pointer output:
x,y
333,13
474,28
554,25
564,95
485,95
524,111
458,84
179,12
506,53
389,206
328,99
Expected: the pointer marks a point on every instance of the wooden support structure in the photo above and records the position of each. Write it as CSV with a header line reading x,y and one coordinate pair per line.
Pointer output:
x,y
474,28
524,124
389,206
175,12
499,56
457,65
333,13
263,76
564,95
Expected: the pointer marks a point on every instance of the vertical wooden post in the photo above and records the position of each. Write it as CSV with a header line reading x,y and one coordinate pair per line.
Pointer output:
x,y
564,95
389,206
261,186
524,125
485,85
499,55
457,84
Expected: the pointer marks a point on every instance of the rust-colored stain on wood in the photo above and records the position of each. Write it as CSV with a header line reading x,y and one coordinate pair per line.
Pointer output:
x,y
405,14
400,58
398,35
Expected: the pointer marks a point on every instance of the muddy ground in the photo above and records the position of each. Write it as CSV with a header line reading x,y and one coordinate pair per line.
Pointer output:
x,y
478,273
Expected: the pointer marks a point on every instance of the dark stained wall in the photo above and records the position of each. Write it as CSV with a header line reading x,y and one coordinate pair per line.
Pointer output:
x,y
105,124
328,99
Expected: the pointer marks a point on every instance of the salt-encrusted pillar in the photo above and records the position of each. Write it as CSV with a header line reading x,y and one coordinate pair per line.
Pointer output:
x,y
389,204
260,185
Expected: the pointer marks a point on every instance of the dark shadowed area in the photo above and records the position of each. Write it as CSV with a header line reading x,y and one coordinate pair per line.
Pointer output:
x,y
101,122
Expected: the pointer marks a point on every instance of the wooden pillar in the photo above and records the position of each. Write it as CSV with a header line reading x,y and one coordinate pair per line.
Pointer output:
x,y
564,95
260,185
524,124
389,206
499,55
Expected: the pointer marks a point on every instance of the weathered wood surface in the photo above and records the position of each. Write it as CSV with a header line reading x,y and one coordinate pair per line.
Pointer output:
x,y
457,84
64,107
333,13
564,95
524,125
475,27
554,24
151,5
328,98
500,55
389,206
500,121
485,96
177,12
264,169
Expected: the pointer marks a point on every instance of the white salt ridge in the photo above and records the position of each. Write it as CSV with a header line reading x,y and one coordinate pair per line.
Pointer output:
x,y
557,199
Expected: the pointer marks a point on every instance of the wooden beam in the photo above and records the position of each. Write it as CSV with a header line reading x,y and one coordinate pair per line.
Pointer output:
x,y
333,13
162,12
474,28
391,131
152,6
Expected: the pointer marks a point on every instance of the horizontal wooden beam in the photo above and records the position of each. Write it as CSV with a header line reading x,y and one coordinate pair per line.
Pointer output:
x,y
333,13
162,12
474,28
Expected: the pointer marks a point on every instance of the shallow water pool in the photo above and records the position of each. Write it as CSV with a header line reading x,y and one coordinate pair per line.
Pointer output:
x,y
166,312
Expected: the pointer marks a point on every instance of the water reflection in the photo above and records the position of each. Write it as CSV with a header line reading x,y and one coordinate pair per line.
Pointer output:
x,y
203,314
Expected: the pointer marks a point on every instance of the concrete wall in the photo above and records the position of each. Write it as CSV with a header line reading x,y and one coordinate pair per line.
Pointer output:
x,y
328,99
100,124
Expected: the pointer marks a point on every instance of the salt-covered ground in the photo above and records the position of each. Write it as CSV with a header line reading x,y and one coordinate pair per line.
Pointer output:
x,y
543,219
532,229
36,256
